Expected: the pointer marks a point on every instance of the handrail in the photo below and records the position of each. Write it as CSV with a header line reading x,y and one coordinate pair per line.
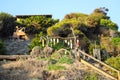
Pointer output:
x,y
99,61
117,71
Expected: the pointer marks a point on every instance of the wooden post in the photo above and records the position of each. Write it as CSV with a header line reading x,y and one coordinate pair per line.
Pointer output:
x,y
71,45
43,43
68,43
65,41
57,40
54,41
51,42
78,56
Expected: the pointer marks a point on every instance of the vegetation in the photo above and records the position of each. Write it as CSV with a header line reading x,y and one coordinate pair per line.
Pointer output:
x,y
7,24
116,41
36,41
83,22
59,45
56,63
55,67
35,24
63,28
2,47
116,45
114,62
87,28
91,77
109,24
65,59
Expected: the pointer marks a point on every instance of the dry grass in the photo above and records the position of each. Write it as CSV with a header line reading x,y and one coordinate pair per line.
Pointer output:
x,y
34,69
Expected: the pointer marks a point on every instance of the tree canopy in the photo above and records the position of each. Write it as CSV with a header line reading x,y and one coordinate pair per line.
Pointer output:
x,y
7,24
36,24
92,22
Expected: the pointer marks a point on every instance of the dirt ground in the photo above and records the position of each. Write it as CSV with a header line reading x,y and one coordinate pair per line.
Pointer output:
x,y
34,69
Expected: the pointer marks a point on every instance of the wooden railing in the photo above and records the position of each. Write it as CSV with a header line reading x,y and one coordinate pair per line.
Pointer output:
x,y
101,66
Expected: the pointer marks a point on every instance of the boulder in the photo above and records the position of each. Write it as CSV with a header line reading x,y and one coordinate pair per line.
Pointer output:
x,y
48,50
14,47
35,51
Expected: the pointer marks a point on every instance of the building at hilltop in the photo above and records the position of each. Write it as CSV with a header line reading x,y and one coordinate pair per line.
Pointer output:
x,y
18,17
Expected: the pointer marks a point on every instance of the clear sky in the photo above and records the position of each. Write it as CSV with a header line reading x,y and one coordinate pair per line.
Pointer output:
x,y
59,8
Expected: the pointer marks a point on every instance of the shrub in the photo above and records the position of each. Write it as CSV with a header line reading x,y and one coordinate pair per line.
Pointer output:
x,y
116,41
36,41
7,24
2,47
109,24
114,62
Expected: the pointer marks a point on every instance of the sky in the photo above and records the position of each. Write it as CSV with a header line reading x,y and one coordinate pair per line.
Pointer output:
x,y
59,8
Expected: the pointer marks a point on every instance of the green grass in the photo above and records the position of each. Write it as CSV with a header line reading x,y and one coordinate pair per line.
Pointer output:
x,y
55,67
55,63
91,77
66,60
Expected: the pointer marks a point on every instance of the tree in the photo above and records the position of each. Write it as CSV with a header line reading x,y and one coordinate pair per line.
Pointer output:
x,y
7,24
35,24
93,20
91,26
109,24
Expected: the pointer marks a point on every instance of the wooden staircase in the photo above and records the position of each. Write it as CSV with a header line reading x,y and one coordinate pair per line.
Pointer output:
x,y
98,65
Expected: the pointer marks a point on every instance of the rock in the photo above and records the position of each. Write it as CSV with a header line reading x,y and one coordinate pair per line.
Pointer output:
x,y
48,50
15,47
35,51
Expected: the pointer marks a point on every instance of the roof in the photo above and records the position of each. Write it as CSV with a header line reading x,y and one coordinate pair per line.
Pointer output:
x,y
27,16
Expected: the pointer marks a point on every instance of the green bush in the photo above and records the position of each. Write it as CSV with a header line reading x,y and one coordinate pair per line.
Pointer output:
x,y
114,62
109,24
2,47
36,41
116,41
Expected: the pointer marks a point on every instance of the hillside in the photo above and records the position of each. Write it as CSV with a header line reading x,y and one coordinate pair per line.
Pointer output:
x,y
35,69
